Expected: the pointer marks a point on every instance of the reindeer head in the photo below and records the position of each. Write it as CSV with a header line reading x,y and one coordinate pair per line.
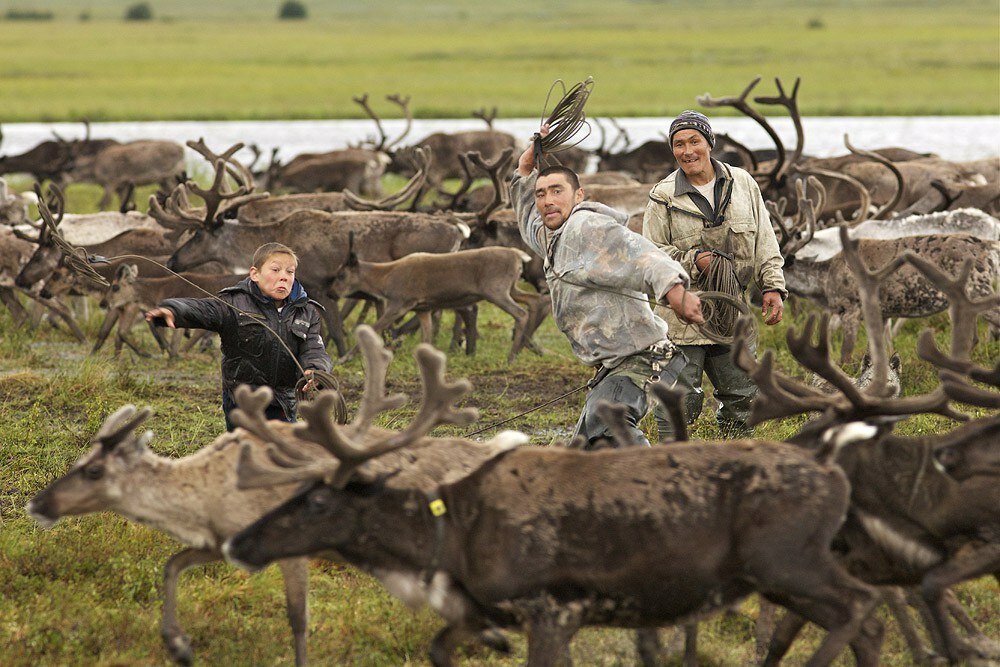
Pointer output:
x,y
347,282
333,508
122,289
95,482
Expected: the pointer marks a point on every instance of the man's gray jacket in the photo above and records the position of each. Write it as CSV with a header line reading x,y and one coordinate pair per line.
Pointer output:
x,y
589,263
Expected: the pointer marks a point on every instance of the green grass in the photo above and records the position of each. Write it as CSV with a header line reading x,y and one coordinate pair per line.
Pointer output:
x,y
215,61
87,591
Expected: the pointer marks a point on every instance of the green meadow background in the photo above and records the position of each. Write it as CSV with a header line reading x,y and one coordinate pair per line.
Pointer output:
x,y
236,60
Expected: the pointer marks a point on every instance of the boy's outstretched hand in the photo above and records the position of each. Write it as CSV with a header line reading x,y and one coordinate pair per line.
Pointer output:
x,y
164,314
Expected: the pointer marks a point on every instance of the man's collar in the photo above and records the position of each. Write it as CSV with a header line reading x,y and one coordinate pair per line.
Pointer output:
x,y
682,186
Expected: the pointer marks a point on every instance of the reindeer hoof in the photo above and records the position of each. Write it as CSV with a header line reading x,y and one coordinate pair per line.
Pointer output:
x,y
179,647
495,640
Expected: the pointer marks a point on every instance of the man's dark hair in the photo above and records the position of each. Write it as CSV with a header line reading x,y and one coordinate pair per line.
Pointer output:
x,y
570,175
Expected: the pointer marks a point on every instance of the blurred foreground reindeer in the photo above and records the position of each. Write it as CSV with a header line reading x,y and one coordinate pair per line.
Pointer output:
x,y
546,540
924,511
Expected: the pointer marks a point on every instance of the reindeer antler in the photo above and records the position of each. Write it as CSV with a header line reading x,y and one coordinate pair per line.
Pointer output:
x,y
494,169
120,425
421,160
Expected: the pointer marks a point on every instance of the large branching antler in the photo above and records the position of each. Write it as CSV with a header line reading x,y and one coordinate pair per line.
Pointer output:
x,y
354,444
798,231
404,104
494,169
865,198
422,159
961,307
220,198
486,116
888,164
791,103
739,102
382,136
782,396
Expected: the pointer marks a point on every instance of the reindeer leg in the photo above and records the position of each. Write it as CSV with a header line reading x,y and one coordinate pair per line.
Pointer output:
x,y
894,599
132,345
469,317
549,634
764,628
296,574
178,645
334,323
782,638
975,635
985,560
106,197
427,328
648,647
520,315
109,322
691,644
17,311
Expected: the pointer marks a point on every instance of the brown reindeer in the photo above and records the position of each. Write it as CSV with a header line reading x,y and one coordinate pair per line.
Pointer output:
x,y
118,167
425,282
550,540
912,520
54,158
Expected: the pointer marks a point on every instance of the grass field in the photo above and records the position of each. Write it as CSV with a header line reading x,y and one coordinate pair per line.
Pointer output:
x,y
225,61
87,592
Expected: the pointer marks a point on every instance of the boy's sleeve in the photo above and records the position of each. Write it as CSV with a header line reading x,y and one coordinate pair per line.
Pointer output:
x,y
191,313
313,354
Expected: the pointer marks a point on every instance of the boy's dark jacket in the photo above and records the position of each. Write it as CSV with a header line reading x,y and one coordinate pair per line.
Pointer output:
x,y
250,353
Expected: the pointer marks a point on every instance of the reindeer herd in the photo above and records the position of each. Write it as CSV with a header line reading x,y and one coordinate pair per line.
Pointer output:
x,y
499,535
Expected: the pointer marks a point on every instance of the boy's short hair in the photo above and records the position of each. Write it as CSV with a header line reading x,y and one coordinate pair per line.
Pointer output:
x,y
571,177
263,253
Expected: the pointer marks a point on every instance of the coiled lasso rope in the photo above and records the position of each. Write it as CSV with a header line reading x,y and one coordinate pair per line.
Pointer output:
x,y
565,120
720,315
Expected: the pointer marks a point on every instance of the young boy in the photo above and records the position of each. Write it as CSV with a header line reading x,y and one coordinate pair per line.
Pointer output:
x,y
250,353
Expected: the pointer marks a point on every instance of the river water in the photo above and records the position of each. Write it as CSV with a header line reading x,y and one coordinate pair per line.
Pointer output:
x,y
951,137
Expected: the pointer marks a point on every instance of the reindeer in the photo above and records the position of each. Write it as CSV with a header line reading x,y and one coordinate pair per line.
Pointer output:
x,y
542,539
827,279
913,521
320,238
117,168
426,282
359,169
54,158
199,501
14,252
444,150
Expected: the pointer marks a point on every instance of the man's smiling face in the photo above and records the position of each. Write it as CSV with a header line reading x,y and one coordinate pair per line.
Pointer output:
x,y
555,199
692,152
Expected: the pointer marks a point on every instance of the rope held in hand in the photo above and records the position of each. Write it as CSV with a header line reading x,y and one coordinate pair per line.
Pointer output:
x,y
565,120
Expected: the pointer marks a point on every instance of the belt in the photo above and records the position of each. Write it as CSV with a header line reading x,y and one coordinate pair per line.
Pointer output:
x,y
663,348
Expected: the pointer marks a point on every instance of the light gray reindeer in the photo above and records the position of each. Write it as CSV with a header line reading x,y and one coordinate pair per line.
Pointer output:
x,y
199,500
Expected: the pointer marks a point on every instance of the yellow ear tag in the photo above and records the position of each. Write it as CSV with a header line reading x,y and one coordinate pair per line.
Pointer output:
x,y
437,507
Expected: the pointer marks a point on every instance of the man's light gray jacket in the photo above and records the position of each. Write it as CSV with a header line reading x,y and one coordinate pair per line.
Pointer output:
x,y
591,253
